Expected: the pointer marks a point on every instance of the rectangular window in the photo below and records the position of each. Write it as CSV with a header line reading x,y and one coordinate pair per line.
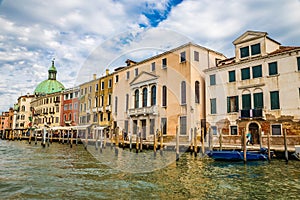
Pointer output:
x,y
126,126
164,126
95,118
196,56
127,75
276,129
244,52
246,101
164,63
126,102
232,104
231,75
136,72
273,68
298,63
164,96
135,127
117,78
245,73
101,117
96,87
90,89
102,85
116,104
182,57
212,79
256,71
109,99
233,130
153,66
214,130
258,100
213,106
152,126
275,104
255,49
109,83
183,125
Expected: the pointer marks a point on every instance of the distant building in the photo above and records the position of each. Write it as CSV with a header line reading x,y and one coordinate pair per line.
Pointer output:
x,y
47,102
70,107
256,91
6,123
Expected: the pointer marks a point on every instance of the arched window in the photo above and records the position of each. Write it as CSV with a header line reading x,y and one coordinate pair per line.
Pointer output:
x,y
145,95
65,117
197,92
23,108
153,95
164,95
183,92
136,98
70,117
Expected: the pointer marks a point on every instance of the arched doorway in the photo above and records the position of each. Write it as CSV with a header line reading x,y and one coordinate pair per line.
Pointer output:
x,y
254,130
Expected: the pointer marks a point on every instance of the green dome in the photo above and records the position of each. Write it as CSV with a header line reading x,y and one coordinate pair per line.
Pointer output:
x,y
51,85
48,87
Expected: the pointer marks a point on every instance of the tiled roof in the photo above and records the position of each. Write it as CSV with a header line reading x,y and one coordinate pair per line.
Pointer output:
x,y
283,49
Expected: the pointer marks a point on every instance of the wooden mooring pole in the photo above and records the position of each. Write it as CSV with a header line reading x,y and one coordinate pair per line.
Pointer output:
x,y
177,144
195,142
269,150
220,139
192,141
161,143
154,143
286,153
202,141
245,146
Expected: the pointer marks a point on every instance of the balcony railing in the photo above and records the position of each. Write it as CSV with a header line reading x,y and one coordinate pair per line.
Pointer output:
x,y
251,113
152,110
108,108
95,109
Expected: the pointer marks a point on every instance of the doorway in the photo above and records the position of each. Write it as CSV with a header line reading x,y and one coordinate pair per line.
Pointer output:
x,y
254,130
144,128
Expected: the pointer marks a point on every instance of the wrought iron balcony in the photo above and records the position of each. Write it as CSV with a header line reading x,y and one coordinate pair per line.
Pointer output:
x,y
152,110
251,113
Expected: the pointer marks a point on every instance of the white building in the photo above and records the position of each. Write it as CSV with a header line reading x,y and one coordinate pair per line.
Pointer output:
x,y
256,91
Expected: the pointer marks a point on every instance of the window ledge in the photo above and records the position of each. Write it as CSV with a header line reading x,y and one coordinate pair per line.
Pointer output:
x,y
275,75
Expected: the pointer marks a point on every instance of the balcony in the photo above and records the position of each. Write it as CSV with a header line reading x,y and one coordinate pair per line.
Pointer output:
x,y
95,109
108,108
152,110
101,109
251,113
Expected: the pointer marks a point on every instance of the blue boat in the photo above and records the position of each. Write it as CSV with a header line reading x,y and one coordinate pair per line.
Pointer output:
x,y
238,155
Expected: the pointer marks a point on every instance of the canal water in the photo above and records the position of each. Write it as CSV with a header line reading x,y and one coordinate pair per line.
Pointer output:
x,y
60,172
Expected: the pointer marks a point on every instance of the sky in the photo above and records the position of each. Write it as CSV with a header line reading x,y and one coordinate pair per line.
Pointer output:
x,y
87,37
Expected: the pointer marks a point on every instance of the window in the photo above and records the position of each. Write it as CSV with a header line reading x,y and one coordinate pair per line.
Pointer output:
x,y
232,104
152,126
136,99
274,100
102,85
276,129
66,107
255,49
126,126
109,83
182,57
273,68
136,72
101,117
256,71
23,108
109,99
108,116
153,95
233,130
90,89
127,102
212,79
183,125
102,100
70,107
153,66
95,117
197,92
231,75
183,93
244,52
196,56
246,101
213,106
164,96
127,75
245,73
117,78
298,63
214,130
164,125
116,104
164,63
258,100
145,96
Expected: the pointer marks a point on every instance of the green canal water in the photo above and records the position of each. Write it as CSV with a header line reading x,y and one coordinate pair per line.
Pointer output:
x,y
60,172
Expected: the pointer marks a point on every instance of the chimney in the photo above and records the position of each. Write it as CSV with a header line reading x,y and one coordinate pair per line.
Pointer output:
x,y
107,72
94,76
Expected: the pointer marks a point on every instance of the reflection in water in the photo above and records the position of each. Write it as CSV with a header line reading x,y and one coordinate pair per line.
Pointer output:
x,y
59,172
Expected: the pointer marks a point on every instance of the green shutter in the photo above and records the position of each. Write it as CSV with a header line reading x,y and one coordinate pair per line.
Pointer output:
x,y
245,73
258,100
231,76
273,68
228,104
213,109
246,101
237,102
212,79
274,100
257,72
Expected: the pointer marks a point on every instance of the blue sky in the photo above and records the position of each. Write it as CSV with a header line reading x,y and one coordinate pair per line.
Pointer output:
x,y
32,32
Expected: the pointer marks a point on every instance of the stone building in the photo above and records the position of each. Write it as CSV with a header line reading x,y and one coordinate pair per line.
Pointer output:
x,y
70,107
256,91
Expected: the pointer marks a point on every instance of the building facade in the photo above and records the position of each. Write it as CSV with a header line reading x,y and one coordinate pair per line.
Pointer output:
x,y
70,107
256,91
